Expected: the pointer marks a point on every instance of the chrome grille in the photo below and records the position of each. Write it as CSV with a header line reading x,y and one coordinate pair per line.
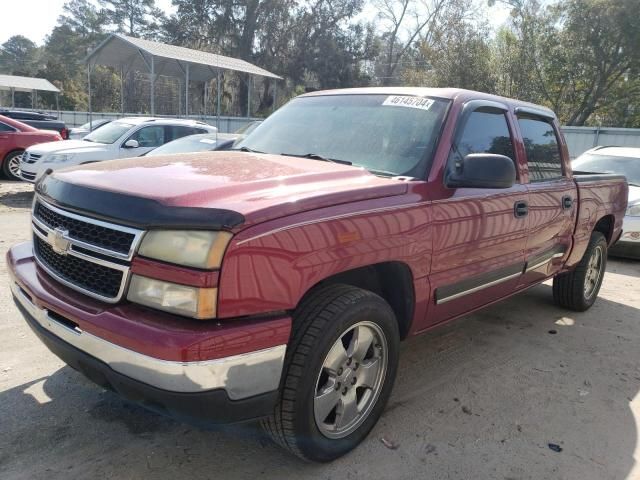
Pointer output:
x,y
31,157
100,236
88,255
27,175
103,281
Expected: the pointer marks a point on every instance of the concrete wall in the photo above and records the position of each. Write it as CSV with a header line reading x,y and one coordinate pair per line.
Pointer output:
x,y
75,119
581,139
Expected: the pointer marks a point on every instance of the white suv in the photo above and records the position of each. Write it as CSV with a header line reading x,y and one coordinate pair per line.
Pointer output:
x,y
127,137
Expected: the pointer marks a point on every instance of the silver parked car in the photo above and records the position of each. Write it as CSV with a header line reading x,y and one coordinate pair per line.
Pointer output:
x,y
78,133
624,161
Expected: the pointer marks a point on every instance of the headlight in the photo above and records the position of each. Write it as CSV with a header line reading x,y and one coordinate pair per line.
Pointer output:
x,y
58,158
191,248
634,210
171,297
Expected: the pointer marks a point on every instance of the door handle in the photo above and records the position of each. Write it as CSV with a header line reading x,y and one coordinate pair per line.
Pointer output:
x,y
520,209
567,202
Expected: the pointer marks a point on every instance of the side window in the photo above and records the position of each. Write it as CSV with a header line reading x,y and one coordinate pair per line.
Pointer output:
x,y
179,131
6,128
150,137
486,132
543,152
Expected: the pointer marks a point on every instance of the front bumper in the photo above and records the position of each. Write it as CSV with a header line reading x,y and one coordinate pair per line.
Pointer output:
x,y
218,389
629,243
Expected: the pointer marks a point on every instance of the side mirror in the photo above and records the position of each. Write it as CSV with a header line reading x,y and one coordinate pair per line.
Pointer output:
x,y
483,170
131,144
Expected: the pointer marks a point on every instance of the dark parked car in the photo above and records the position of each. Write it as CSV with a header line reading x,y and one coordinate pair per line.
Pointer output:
x,y
39,120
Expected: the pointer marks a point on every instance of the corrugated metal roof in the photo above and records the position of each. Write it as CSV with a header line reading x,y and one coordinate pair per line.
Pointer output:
x,y
123,51
26,84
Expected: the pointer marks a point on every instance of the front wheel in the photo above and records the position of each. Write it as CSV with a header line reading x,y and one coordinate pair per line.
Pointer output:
x,y
338,374
11,166
578,289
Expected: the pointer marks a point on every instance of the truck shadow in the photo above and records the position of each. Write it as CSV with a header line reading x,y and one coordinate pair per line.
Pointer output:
x,y
480,398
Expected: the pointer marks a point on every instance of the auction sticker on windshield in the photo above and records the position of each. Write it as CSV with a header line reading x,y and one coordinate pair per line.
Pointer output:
x,y
406,101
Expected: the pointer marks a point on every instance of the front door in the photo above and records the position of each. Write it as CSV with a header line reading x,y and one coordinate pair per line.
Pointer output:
x,y
148,138
479,234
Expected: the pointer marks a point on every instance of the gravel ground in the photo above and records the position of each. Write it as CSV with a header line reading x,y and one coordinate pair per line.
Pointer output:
x,y
481,398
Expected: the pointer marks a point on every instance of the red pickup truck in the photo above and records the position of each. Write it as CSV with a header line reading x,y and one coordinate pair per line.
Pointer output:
x,y
276,281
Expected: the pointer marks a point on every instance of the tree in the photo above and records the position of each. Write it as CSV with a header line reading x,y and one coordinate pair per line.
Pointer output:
x,y
458,53
19,56
403,22
598,44
137,18
572,55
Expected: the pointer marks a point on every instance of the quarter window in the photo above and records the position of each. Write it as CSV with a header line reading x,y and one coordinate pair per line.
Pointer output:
x,y
543,151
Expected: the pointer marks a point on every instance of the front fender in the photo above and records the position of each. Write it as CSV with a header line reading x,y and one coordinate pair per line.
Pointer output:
x,y
270,267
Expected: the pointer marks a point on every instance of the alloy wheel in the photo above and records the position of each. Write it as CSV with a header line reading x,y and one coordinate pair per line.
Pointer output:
x,y
350,380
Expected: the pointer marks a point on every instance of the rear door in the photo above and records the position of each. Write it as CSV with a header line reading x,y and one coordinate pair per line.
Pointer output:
x,y
479,233
552,196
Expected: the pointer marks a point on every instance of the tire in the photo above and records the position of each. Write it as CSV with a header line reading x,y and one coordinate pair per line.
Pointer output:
x,y
326,319
577,290
11,165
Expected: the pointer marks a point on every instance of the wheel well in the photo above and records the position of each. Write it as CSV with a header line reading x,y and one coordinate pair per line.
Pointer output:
x,y
605,226
13,151
392,281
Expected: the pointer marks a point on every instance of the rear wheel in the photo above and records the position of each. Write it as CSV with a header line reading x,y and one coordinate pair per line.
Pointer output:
x,y
578,289
338,374
11,165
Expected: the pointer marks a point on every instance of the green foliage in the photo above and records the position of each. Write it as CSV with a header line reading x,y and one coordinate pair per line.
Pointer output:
x,y
19,56
579,57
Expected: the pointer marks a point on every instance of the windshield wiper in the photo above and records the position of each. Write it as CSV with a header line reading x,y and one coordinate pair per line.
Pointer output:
x,y
246,149
315,156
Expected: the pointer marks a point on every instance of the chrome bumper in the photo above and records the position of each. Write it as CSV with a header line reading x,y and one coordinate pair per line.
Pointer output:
x,y
241,376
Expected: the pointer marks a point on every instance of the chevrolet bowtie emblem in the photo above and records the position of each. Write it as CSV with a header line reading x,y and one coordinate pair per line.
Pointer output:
x,y
56,238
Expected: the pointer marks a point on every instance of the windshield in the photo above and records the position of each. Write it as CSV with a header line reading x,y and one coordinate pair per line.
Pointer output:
x,y
192,143
109,133
386,134
248,128
95,123
629,167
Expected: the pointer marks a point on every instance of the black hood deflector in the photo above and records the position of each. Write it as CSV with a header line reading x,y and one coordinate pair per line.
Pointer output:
x,y
138,212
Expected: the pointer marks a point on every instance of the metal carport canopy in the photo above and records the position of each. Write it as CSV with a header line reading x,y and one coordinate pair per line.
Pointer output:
x,y
16,83
26,84
122,51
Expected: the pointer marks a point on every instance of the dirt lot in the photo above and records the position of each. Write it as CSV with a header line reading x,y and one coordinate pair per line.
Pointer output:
x,y
479,399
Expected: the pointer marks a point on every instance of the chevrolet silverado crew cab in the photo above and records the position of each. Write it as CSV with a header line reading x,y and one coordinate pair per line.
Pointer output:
x,y
277,281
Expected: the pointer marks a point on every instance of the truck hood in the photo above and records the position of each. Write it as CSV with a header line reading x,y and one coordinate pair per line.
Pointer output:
x,y
259,187
68,146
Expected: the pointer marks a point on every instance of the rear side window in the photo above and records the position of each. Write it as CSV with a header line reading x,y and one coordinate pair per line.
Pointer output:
x,y
6,128
179,131
486,132
543,151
